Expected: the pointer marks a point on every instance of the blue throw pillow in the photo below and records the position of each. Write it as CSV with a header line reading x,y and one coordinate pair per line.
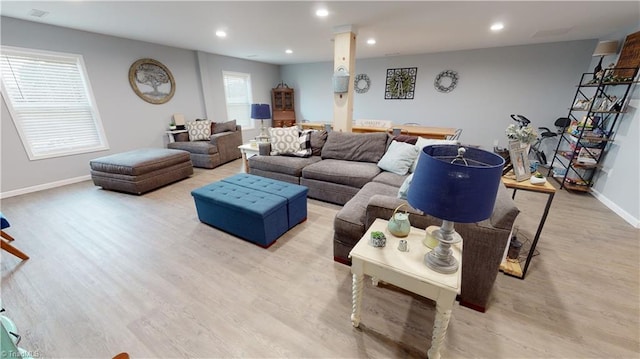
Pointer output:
x,y
398,158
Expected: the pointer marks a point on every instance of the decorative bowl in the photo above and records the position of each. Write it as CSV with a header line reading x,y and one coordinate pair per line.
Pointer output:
x,y
537,181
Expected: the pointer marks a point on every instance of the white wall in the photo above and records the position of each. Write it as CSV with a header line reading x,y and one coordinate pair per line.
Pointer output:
x,y
537,81
264,77
618,183
129,121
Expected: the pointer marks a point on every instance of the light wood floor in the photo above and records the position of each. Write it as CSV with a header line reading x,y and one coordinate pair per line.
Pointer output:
x,y
112,272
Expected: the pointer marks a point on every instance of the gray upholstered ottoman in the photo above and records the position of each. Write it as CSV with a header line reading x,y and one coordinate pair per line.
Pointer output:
x,y
140,170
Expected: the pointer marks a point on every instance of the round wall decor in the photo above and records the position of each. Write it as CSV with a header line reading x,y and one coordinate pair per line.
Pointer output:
x,y
152,81
446,81
362,83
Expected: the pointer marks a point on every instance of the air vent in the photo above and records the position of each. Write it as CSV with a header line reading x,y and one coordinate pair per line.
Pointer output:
x,y
38,13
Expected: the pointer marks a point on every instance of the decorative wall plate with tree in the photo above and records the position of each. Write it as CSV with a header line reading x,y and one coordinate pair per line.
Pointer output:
x,y
401,83
152,81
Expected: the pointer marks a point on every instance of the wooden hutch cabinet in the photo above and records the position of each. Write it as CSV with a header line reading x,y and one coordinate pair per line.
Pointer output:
x,y
284,114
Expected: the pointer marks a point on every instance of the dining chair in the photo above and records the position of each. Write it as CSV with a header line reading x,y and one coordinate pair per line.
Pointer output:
x,y
6,238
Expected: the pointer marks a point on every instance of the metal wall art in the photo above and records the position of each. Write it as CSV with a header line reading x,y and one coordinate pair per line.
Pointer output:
x,y
401,83
446,81
362,83
152,81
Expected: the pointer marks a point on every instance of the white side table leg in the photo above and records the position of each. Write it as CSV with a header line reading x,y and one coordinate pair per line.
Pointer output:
x,y
356,298
439,331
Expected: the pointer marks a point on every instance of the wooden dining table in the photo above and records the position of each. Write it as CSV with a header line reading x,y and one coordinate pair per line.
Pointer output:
x,y
440,133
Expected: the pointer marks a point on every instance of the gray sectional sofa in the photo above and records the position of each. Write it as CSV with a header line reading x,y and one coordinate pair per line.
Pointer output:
x,y
343,170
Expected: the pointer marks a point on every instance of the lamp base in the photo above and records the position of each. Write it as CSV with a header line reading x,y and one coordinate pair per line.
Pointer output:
x,y
441,259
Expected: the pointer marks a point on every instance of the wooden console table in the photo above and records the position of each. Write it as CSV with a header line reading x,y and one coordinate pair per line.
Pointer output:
x,y
440,133
511,268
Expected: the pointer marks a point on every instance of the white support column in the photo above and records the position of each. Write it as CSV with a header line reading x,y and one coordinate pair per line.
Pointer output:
x,y
344,54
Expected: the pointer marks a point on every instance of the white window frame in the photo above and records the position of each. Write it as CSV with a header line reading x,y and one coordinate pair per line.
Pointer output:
x,y
247,123
60,143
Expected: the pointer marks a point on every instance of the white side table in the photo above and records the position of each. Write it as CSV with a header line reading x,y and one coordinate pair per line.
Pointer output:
x,y
170,133
248,150
408,271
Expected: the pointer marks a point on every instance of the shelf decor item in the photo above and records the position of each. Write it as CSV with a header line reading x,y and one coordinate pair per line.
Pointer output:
x,y
152,81
455,185
401,83
261,111
603,49
446,81
377,239
399,224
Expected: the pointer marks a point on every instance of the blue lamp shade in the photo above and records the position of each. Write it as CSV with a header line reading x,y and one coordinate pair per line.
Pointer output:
x,y
455,191
260,111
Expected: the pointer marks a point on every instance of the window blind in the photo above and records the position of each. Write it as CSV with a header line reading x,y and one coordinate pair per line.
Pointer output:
x,y
51,103
237,89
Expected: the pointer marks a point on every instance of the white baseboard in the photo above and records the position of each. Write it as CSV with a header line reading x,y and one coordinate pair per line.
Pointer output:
x,y
44,186
614,207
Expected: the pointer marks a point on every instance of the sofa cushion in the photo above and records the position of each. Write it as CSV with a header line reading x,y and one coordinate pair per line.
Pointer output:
x,y
361,147
354,174
349,223
398,158
281,164
284,140
229,126
318,139
404,188
390,178
199,130
201,147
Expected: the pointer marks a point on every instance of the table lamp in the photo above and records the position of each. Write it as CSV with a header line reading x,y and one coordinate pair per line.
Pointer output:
x,y
603,49
455,185
261,111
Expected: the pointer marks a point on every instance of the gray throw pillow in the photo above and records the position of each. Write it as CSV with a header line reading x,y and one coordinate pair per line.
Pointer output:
x,y
229,126
318,139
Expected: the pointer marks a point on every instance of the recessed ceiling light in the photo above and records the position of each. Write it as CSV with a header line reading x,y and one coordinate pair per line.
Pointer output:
x,y
288,51
497,26
371,41
322,12
221,33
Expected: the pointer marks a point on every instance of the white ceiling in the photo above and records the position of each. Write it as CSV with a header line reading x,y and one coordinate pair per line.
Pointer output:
x,y
262,30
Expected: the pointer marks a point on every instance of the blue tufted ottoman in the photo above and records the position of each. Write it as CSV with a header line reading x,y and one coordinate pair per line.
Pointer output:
x,y
295,195
256,216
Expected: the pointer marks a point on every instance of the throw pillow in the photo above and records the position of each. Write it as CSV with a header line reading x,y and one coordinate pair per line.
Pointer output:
x,y
398,158
199,130
404,188
284,140
229,126
318,139
304,149
427,142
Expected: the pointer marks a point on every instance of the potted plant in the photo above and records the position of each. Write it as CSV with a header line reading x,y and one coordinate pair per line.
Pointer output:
x,y
378,239
172,124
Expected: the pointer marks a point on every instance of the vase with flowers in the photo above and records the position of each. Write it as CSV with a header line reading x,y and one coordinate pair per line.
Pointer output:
x,y
526,135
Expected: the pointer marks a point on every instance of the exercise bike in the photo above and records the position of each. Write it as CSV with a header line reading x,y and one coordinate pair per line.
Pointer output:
x,y
561,124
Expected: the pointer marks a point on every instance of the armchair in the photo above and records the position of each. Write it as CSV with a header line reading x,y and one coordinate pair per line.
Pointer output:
x,y
221,147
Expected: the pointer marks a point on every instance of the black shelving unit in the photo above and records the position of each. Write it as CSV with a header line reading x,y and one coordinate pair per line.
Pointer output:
x,y
597,106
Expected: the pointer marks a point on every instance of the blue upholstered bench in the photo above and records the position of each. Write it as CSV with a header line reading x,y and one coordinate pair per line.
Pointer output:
x,y
296,195
256,216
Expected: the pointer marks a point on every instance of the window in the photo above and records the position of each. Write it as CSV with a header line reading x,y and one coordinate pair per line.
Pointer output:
x,y
237,90
50,101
